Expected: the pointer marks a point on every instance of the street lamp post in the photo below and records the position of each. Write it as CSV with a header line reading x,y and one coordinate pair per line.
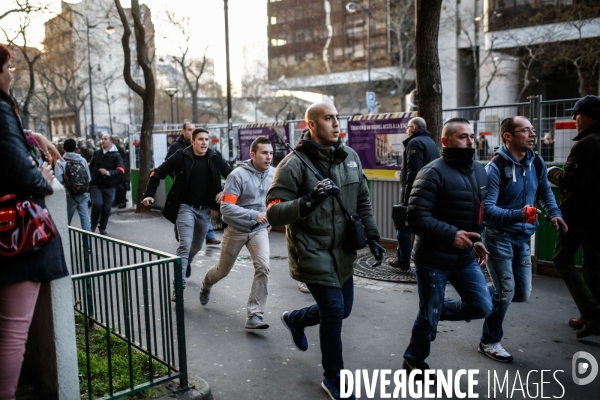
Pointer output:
x,y
171,92
352,7
34,117
110,30
229,109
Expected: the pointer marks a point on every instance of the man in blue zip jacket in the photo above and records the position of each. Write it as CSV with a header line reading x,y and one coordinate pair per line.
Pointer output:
x,y
195,191
510,220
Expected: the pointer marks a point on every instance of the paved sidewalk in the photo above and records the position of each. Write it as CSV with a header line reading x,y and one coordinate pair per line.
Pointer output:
x,y
238,363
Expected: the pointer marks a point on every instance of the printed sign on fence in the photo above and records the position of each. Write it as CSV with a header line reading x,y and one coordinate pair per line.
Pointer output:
x,y
377,139
277,132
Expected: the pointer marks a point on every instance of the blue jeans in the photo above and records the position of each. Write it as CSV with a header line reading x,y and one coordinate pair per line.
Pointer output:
x,y
192,225
80,203
509,265
404,247
209,235
474,303
333,306
211,232
102,199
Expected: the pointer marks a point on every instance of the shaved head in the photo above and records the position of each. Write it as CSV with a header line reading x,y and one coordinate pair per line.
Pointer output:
x,y
452,125
322,120
312,112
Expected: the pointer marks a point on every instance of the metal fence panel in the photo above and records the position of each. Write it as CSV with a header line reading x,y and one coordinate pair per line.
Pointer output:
x,y
125,291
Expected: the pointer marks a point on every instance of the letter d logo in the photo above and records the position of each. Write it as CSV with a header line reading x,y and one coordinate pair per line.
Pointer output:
x,y
583,367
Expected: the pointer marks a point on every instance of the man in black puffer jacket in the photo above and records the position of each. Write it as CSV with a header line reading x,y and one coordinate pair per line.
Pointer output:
x,y
445,211
106,168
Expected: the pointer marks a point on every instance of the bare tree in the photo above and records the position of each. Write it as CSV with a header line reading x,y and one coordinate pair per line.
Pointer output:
x,y
29,56
582,53
22,6
191,69
255,89
107,80
46,95
401,26
63,77
429,81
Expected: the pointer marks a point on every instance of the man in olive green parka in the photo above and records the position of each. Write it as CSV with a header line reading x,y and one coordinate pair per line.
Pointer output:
x,y
315,227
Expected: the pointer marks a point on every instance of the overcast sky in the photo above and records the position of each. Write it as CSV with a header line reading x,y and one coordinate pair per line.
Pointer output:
x,y
247,27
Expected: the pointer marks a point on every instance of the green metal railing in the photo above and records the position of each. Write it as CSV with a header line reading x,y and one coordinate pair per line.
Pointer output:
x,y
125,291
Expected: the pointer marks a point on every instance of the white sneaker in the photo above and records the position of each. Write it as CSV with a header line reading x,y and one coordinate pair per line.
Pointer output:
x,y
303,288
495,351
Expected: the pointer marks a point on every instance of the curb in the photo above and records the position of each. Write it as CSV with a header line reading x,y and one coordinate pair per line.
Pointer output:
x,y
199,390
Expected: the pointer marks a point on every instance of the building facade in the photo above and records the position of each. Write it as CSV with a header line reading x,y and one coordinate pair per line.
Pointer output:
x,y
83,43
321,46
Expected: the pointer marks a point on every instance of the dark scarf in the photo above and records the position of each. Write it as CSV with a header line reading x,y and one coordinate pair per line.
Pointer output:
x,y
461,158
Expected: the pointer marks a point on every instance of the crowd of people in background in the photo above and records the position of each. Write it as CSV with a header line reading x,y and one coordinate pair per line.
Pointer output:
x,y
462,217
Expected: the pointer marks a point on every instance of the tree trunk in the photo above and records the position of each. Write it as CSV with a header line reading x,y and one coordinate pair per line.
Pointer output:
x,y
146,92
429,82
194,108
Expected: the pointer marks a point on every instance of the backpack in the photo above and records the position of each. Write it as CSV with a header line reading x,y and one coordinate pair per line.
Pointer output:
x,y
506,174
76,178
506,171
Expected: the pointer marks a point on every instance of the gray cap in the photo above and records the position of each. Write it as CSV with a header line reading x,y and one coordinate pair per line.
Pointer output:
x,y
589,105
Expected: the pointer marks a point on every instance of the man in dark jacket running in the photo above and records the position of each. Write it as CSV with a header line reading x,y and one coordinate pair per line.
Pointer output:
x,y
106,167
419,150
195,191
579,184
183,141
315,232
445,211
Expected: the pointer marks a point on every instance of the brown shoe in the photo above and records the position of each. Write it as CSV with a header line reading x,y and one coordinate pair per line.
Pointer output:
x,y
590,327
213,241
395,264
576,323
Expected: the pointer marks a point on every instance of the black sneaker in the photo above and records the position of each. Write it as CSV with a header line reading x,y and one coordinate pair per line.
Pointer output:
x,y
188,271
298,336
410,366
204,296
102,231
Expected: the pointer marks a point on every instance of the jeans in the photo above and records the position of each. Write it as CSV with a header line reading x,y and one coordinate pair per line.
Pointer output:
x,y
509,266
80,203
584,286
17,303
192,225
258,245
102,199
209,235
474,303
211,232
404,247
333,306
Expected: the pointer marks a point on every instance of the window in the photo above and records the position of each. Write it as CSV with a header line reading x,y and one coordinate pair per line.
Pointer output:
x,y
278,42
273,20
359,51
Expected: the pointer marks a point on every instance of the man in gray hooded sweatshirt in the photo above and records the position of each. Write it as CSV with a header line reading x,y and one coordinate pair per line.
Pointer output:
x,y
244,211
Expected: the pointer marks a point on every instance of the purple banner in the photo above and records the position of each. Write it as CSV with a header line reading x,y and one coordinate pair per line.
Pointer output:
x,y
277,132
172,138
377,139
